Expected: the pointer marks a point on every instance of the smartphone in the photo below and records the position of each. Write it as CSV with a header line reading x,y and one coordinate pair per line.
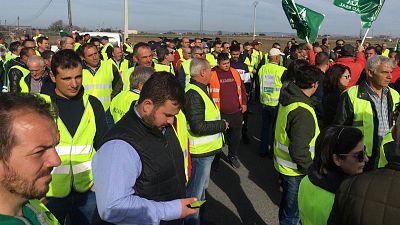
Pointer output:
x,y
196,204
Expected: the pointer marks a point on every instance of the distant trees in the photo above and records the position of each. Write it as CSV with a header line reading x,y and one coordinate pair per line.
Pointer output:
x,y
58,25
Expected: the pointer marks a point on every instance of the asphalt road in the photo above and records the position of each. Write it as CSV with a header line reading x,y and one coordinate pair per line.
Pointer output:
x,y
248,195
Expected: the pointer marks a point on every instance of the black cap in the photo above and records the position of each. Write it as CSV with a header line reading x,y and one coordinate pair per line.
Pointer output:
x,y
104,38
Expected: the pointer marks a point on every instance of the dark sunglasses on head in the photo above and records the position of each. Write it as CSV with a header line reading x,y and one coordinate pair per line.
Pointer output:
x,y
359,155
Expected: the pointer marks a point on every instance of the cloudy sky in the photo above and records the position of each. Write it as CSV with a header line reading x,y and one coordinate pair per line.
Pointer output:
x,y
164,15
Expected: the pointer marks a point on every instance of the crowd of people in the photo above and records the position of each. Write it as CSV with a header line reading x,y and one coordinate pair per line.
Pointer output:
x,y
102,134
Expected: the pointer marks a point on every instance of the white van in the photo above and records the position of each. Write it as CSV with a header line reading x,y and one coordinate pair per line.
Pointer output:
x,y
114,38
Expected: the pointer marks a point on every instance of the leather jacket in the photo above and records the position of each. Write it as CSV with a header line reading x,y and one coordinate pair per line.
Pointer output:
x,y
195,113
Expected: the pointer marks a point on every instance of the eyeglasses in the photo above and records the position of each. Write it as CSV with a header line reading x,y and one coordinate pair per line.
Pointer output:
x,y
347,76
359,155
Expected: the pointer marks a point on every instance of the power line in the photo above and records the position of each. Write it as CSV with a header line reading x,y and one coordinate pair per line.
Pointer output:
x,y
40,11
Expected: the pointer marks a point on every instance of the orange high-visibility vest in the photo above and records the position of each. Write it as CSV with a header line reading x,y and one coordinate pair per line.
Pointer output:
x,y
215,87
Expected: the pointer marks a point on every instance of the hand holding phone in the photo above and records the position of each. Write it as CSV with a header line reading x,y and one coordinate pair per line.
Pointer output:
x,y
196,204
186,210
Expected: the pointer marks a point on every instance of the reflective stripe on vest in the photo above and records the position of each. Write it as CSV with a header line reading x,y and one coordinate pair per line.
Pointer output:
x,y
364,115
315,203
215,87
121,103
99,85
76,155
282,161
270,83
206,143
25,72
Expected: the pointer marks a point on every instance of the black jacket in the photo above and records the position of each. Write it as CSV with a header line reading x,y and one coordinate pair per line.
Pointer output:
x,y
195,115
162,177
330,102
345,116
15,75
300,126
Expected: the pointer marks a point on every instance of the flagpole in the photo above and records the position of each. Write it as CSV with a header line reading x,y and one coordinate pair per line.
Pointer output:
x,y
308,41
365,36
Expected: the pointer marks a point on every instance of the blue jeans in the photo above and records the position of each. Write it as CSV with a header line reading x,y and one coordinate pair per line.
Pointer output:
x,y
288,208
79,206
269,114
198,184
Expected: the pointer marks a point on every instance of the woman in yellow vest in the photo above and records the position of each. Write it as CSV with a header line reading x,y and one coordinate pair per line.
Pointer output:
x,y
339,153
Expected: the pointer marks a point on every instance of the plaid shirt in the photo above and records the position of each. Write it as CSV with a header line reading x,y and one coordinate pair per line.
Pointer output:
x,y
381,106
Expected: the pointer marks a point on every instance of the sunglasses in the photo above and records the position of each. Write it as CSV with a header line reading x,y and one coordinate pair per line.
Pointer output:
x,y
347,76
171,52
359,155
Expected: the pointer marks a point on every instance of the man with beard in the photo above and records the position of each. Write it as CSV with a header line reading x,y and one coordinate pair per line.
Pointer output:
x,y
27,157
139,170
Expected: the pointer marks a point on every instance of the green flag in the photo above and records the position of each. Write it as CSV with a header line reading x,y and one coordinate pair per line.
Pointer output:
x,y
367,9
397,48
306,21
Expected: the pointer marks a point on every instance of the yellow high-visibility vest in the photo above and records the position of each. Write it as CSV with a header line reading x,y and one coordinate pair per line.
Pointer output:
x,y
282,161
99,85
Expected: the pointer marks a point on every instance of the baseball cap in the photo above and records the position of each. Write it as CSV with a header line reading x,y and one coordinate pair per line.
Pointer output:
x,y
274,52
256,42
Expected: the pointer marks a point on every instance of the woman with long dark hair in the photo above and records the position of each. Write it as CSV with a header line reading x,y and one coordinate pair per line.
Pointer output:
x,y
339,153
335,81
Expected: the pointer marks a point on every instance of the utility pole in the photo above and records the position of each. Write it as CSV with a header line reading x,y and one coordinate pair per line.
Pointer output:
x,y
201,18
69,16
125,20
254,20
18,22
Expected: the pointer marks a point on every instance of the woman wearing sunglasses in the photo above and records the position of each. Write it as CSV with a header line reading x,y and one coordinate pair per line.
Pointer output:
x,y
335,82
339,153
